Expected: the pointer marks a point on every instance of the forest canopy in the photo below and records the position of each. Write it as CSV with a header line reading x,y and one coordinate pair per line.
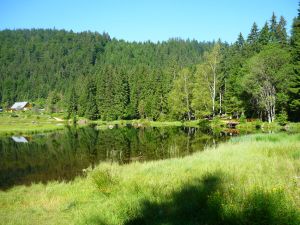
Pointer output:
x,y
99,77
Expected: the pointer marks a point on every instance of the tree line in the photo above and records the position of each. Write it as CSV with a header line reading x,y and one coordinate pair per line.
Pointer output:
x,y
99,77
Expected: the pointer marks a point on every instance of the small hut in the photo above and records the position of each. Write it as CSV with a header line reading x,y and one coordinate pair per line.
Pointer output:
x,y
18,106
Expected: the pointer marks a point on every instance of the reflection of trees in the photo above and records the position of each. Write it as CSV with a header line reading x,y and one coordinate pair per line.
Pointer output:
x,y
63,155
89,140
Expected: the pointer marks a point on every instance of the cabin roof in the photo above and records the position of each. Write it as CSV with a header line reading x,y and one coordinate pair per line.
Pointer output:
x,y
19,105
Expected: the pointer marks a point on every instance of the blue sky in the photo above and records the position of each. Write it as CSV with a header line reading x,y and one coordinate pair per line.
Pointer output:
x,y
141,20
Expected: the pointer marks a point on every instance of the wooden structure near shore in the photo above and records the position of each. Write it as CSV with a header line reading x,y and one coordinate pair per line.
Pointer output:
x,y
232,124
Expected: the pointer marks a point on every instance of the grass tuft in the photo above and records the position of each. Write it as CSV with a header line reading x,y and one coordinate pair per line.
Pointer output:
x,y
105,180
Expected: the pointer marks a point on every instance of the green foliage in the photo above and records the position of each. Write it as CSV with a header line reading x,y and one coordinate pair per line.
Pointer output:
x,y
91,111
206,83
258,124
181,95
264,35
268,73
242,119
282,118
72,107
53,102
49,61
177,79
294,90
205,126
14,115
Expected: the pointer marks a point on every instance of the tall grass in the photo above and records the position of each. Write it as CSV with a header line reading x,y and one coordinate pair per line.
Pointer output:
x,y
251,180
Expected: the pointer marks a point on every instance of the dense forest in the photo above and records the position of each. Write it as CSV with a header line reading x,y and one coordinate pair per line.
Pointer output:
x,y
92,75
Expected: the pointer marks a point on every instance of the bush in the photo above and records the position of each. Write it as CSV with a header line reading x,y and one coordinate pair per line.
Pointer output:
x,y
242,119
258,124
204,126
14,115
282,118
216,121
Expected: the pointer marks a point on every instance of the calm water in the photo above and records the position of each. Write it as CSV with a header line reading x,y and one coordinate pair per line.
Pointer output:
x,y
63,155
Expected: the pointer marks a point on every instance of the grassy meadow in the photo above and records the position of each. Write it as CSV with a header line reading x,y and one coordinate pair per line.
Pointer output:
x,y
252,179
28,122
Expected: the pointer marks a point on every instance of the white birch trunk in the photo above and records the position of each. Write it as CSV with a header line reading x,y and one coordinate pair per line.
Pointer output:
x,y
187,97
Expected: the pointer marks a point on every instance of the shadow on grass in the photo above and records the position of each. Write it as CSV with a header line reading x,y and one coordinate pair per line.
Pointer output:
x,y
203,203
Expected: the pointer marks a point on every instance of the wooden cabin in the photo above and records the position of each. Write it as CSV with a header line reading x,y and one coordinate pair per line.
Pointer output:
x,y
21,106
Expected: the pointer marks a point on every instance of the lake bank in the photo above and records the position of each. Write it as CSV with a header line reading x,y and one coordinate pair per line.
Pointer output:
x,y
248,180
27,123
30,123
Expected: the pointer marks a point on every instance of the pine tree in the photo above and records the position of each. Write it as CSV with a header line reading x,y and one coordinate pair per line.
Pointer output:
x,y
295,87
253,37
91,112
240,41
281,34
72,104
273,28
254,34
264,35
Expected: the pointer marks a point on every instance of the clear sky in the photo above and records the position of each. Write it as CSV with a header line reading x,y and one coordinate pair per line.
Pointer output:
x,y
142,20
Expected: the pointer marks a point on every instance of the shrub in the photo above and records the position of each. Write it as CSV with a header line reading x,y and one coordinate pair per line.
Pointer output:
x,y
242,119
204,126
258,124
282,118
14,115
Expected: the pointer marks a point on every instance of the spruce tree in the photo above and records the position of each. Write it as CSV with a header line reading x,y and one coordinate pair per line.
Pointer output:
x,y
254,34
295,87
264,35
240,41
91,112
253,37
273,28
72,104
281,34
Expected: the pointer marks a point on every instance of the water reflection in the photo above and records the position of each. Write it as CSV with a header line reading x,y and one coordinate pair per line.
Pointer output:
x,y
64,155
19,139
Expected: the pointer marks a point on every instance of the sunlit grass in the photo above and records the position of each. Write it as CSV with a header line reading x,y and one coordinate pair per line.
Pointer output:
x,y
251,180
27,123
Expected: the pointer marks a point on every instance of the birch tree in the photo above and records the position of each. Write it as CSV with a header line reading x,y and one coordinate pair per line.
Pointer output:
x,y
202,100
207,74
268,75
181,95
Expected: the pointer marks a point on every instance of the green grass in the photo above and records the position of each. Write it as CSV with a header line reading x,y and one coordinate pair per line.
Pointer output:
x,y
146,123
293,127
250,180
136,123
258,125
27,123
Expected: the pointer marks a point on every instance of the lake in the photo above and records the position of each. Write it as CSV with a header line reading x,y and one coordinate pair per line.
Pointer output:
x,y
64,155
